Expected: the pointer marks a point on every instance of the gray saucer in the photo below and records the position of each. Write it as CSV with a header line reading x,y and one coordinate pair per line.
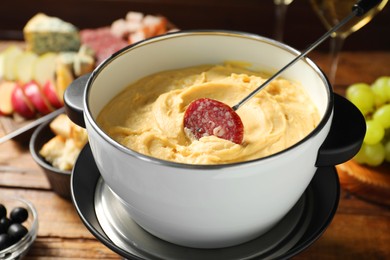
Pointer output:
x,y
104,215
125,233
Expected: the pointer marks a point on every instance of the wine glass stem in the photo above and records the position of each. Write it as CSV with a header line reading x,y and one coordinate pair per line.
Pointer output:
x,y
280,13
336,44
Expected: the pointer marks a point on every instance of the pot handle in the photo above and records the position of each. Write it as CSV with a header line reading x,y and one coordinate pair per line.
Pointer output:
x,y
73,99
345,136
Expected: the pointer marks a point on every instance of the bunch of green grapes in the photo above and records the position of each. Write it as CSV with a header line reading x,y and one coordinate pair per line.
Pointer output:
x,y
374,103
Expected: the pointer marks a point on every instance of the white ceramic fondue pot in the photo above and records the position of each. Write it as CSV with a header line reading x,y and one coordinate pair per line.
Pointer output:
x,y
211,206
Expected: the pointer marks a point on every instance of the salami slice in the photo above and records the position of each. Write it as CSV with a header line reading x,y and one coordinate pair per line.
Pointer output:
x,y
102,41
205,117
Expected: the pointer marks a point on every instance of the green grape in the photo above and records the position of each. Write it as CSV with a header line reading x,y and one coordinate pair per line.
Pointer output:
x,y
381,87
375,154
374,132
379,99
361,156
382,116
361,95
387,151
387,134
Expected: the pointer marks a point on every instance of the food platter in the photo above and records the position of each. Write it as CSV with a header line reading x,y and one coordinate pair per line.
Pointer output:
x,y
40,71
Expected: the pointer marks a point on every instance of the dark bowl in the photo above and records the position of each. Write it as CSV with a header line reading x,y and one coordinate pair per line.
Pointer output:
x,y
59,180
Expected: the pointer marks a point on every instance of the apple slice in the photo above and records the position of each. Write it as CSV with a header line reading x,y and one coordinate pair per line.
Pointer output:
x,y
49,91
24,66
9,57
34,93
21,104
64,77
44,68
1,65
6,89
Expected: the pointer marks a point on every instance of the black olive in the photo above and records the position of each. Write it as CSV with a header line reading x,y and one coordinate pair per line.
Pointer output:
x,y
16,231
3,211
4,225
19,215
4,241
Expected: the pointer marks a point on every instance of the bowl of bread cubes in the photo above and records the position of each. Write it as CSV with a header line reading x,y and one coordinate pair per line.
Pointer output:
x,y
55,146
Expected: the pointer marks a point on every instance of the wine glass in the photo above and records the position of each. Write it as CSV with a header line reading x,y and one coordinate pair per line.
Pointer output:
x,y
280,13
332,12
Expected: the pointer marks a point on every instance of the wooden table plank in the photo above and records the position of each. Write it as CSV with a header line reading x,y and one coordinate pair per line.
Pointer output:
x,y
17,168
355,67
59,248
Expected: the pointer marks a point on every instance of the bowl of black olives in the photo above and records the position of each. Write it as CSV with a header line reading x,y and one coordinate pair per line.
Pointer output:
x,y
18,227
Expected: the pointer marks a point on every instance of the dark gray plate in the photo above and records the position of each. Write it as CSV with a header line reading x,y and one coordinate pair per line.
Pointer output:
x,y
303,225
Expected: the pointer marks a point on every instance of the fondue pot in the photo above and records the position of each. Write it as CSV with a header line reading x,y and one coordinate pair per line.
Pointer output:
x,y
212,206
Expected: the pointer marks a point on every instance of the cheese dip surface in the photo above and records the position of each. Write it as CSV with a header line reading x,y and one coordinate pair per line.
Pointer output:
x,y
148,115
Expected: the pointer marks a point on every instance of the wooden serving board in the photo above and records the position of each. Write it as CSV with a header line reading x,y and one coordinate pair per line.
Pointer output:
x,y
370,183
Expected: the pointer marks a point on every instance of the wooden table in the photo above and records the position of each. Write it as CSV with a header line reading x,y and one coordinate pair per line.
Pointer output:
x,y
359,230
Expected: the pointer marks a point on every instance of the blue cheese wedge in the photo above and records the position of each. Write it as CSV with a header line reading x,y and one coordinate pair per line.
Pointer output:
x,y
44,33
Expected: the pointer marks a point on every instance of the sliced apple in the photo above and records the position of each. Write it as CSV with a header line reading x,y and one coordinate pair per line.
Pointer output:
x,y
64,77
34,93
24,65
6,89
1,65
21,104
10,56
44,68
49,91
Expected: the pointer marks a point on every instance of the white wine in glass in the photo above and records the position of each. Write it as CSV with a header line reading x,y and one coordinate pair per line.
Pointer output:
x,y
331,12
280,14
